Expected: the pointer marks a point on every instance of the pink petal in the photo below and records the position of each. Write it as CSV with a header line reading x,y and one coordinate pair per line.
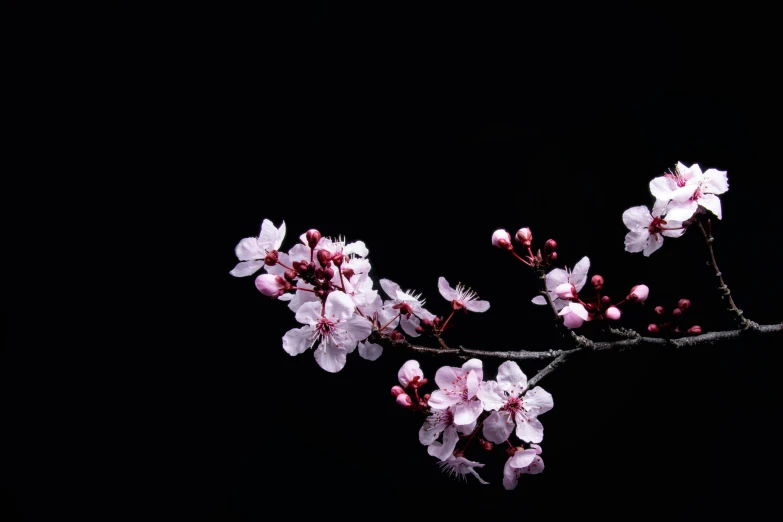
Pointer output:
x,y
537,401
477,306
538,300
511,378
370,351
446,291
246,268
529,429
715,181
391,288
248,249
339,306
446,376
476,365
357,327
441,401
329,357
653,243
491,395
409,325
662,188
497,427
298,340
408,371
467,412
637,218
681,211
712,203
636,241
523,458
579,273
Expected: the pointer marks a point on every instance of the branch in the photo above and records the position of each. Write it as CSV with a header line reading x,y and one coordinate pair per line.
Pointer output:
x,y
744,322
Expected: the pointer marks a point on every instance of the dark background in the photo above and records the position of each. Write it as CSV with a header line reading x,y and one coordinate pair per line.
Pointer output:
x,y
419,130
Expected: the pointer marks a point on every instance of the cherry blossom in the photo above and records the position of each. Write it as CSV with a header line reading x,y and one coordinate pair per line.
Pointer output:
x,y
442,421
521,463
458,466
458,387
647,231
574,314
409,306
558,276
461,297
510,403
339,329
502,239
271,285
409,371
684,190
252,251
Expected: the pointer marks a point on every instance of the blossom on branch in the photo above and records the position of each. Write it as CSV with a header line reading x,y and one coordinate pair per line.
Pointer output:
x,y
522,462
252,251
681,192
576,277
409,306
461,297
458,388
647,231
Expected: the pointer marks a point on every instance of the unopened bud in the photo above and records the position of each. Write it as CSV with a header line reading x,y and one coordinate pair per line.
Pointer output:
x,y
524,236
313,237
427,323
404,400
425,397
639,293
321,293
659,310
502,239
319,273
290,275
677,312
550,246
684,304
396,390
694,330
605,300
271,285
419,330
486,445
337,259
396,336
566,291
653,328
329,273
324,257
597,282
348,272
613,313
271,258
311,267
553,256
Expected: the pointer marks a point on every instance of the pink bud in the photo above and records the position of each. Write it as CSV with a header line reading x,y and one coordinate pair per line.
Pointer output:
x,y
597,282
550,246
270,285
329,273
319,273
653,328
313,237
419,330
684,304
425,397
565,291
553,256
324,257
613,313
348,272
677,312
290,275
337,259
404,400
396,390
271,258
502,239
605,300
694,330
524,236
659,310
639,293
486,445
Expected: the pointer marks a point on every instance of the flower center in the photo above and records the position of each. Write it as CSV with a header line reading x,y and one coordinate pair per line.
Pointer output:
x,y
655,225
325,327
696,194
513,404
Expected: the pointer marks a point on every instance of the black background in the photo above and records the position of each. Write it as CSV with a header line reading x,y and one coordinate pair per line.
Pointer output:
x,y
419,130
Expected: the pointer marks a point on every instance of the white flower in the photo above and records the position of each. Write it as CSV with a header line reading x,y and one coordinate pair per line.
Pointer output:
x,y
442,421
458,387
558,276
408,372
461,297
646,232
251,251
684,190
505,399
339,329
574,314
410,305
459,466
521,463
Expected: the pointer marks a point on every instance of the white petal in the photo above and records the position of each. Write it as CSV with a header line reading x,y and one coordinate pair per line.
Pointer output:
x,y
268,236
681,211
246,268
408,371
670,223
357,247
637,218
467,412
661,188
636,241
466,428
357,327
536,467
444,451
299,253
339,306
510,476
683,194
447,376
712,203
579,273
659,208
441,401
537,401
423,313
497,427
511,378
654,242
579,310
248,249
390,288
300,298
472,385
329,357
529,429
556,277
298,340
409,325
431,429
491,395
539,300
477,306
309,313
522,459
690,173
370,351
448,293
715,181
476,365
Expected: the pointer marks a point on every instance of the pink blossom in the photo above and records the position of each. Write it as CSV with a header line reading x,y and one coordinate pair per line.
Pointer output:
x,y
271,285
522,462
410,305
647,231
565,291
511,403
558,276
442,421
681,192
251,251
613,313
574,315
408,372
502,239
461,297
639,293
458,387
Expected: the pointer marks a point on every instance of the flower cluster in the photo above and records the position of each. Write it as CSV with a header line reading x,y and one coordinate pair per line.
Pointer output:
x,y
678,196
327,285
466,405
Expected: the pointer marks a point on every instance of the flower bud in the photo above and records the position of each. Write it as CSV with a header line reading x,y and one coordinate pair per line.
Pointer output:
x,y
396,390
553,256
684,304
425,397
639,293
653,328
419,330
321,293
313,237
426,322
290,275
605,300
409,371
694,330
319,273
348,272
324,257
511,450
502,239
565,291
597,282
270,285
677,312
311,267
659,310
613,313
337,259
524,236
329,273
404,400
486,445
396,336
550,246
271,258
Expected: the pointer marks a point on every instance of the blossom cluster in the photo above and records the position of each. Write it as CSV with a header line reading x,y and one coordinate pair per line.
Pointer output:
x,y
466,405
